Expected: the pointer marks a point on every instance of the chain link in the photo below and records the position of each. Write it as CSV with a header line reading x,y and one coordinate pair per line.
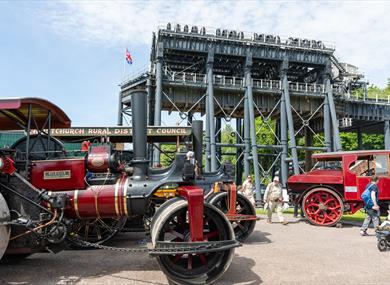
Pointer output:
x,y
111,248
169,247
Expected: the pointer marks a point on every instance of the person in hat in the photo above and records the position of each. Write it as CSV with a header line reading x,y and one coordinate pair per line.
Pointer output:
x,y
247,189
273,199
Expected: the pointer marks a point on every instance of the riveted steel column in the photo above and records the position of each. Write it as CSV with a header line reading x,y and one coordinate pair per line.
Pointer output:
x,y
207,139
246,135
252,122
150,116
238,152
120,106
387,134
327,129
284,142
150,102
210,110
158,95
333,115
308,153
290,121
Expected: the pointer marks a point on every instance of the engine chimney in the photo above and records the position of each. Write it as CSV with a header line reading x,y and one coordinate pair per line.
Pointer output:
x,y
197,142
139,126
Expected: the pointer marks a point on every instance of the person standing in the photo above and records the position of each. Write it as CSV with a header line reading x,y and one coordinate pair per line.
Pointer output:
x,y
370,199
273,199
247,189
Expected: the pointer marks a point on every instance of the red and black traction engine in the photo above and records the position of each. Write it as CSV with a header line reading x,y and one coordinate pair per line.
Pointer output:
x,y
43,201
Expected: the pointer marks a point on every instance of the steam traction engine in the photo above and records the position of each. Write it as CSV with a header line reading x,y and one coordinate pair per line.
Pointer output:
x,y
45,197
335,184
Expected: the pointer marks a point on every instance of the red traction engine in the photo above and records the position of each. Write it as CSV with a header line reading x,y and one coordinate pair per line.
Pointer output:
x,y
43,201
335,184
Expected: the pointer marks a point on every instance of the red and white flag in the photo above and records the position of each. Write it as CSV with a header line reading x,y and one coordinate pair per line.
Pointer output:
x,y
129,60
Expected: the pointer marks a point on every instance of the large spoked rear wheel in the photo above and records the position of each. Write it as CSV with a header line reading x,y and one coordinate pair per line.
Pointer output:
x,y
4,230
99,230
323,207
171,224
242,228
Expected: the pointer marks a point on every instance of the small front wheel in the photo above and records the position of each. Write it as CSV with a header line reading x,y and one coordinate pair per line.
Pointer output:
x,y
382,245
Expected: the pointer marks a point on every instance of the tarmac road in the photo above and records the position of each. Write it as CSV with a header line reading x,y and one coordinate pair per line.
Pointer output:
x,y
275,254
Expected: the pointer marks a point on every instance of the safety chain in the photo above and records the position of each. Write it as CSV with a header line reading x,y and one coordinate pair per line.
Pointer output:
x,y
111,248
169,248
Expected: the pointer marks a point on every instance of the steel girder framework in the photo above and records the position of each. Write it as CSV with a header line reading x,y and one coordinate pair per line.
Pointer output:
x,y
295,86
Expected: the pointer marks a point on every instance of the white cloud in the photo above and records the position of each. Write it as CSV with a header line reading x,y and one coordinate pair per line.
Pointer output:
x,y
359,29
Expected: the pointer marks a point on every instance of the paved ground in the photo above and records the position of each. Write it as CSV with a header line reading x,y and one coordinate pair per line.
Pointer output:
x,y
275,254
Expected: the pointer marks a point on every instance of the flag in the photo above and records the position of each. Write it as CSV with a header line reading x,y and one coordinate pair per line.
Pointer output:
x,y
129,60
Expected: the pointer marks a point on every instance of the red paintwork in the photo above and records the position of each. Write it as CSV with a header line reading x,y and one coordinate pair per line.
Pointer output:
x,y
85,146
194,196
104,201
318,177
8,166
98,159
76,167
334,156
345,182
232,194
17,111
10,103
231,214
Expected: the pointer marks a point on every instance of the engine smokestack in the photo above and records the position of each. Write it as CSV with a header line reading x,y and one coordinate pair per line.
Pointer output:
x,y
139,126
197,142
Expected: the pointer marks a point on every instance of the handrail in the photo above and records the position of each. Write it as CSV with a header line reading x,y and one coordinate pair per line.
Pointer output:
x,y
263,84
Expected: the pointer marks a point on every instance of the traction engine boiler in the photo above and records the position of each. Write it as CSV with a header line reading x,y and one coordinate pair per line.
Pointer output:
x,y
43,203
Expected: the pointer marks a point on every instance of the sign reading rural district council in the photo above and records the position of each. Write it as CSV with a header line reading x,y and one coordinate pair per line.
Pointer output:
x,y
117,131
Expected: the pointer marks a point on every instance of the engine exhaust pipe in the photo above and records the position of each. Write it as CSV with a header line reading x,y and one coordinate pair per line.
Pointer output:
x,y
139,127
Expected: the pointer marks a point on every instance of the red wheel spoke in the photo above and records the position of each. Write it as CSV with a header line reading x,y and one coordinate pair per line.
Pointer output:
x,y
202,259
330,200
177,258
211,234
334,208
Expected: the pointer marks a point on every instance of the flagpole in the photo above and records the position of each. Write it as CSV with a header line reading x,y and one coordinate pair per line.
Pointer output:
x,y
124,66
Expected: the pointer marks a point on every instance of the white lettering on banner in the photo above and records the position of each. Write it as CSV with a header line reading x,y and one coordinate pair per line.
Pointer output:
x,y
350,189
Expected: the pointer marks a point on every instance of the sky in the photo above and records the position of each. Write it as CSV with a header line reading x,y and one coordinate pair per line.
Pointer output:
x,y
72,52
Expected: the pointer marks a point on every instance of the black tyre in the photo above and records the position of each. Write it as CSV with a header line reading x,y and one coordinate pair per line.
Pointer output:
x,y
382,245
